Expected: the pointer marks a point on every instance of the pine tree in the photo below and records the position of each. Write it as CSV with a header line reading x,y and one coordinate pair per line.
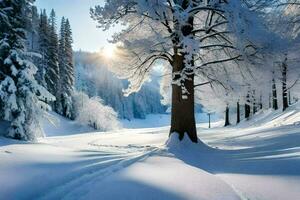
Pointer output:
x,y
21,96
32,30
43,48
61,63
52,71
66,70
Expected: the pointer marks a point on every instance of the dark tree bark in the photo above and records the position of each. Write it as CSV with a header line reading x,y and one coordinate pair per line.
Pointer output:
x,y
227,122
285,103
274,95
247,107
238,116
290,98
260,103
183,105
183,109
254,102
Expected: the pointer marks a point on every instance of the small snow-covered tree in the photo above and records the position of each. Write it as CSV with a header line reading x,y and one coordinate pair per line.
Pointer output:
x,y
92,112
22,98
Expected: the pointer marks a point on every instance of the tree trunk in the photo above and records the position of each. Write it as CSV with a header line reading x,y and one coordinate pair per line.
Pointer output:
x,y
285,103
238,116
227,122
247,107
254,103
183,99
260,103
290,98
183,107
274,95
209,126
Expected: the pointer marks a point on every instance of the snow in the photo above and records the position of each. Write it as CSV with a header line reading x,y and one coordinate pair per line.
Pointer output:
x,y
56,125
259,159
163,120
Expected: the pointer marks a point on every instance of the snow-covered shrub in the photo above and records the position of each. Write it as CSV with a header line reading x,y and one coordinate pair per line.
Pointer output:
x,y
92,112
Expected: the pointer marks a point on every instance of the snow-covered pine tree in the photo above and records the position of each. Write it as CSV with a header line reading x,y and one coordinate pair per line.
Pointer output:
x,y
43,48
32,30
66,70
22,98
52,71
61,62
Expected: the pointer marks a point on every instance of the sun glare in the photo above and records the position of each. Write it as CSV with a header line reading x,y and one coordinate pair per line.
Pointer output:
x,y
109,51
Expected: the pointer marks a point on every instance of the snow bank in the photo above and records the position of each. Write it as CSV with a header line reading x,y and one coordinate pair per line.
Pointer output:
x,y
271,118
174,144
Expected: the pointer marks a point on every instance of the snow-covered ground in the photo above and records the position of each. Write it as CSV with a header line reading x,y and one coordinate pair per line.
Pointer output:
x,y
257,160
161,120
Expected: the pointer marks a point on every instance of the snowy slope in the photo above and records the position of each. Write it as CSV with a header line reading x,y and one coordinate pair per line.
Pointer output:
x,y
56,125
258,160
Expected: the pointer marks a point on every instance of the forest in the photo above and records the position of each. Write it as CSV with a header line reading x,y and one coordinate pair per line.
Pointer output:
x,y
183,99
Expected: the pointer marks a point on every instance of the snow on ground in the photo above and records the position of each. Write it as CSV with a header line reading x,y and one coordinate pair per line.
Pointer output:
x,y
55,125
257,160
160,120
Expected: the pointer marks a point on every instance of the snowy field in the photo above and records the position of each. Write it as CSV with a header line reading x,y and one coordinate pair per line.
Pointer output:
x,y
257,160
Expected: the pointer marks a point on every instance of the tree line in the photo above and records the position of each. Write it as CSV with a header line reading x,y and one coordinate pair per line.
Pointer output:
x,y
55,64
36,67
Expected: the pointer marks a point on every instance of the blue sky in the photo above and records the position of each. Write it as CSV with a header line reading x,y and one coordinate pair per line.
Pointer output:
x,y
86,36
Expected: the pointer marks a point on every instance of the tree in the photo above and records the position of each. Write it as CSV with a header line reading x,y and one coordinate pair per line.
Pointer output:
x,y
32,30
61,64
238,115
285,103
66,70
247,106
22,98
178,33
44,42
274,94
52,72
227,122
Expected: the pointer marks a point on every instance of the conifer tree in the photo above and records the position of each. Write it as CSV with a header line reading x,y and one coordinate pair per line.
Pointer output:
x,y
32,30
43,47
66,70
52,71
21,96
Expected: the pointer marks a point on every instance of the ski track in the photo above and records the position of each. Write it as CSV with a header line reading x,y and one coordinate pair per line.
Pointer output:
x,y
117,158
124,156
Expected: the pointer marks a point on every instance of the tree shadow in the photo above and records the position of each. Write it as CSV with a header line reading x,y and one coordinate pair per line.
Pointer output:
x,y
273,156
128,189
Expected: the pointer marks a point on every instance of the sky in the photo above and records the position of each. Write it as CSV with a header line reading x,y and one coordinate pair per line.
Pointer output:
x,y
87,37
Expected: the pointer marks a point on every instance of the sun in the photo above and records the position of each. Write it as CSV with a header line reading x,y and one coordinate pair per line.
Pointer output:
x,y
109,51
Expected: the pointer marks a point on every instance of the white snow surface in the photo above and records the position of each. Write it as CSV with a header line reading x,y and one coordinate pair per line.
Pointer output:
x,y
257,160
